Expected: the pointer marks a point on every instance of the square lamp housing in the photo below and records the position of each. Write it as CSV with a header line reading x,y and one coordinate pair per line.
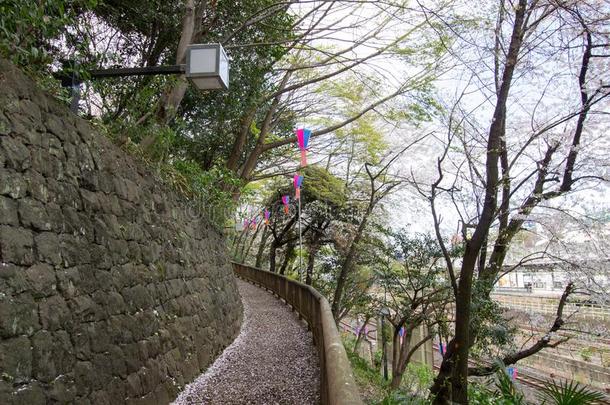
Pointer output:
x,y
207,66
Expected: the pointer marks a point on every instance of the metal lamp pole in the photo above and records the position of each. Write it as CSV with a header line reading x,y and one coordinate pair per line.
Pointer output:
x,y
300,245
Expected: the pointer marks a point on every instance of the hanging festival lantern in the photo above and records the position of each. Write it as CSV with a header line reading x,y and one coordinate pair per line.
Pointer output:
x,y
267,215
303,141
285,201
297,180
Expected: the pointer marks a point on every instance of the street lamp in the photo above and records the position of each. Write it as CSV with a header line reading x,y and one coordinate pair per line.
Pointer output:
x,y
207,68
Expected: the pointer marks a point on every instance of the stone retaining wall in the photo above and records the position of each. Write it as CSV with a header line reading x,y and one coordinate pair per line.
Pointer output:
x,y
111,290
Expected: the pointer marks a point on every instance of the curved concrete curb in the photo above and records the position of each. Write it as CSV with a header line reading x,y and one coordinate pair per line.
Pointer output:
x,y
337,384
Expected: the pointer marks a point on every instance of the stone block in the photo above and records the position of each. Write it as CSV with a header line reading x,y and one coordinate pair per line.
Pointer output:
x,y
17,245
84,377
80,341
100,397
116,390
100,257
106,182
31,394
32,137
117,360
84,309
47,248
53,355
134,386
150,252
5,125
89,180
37,186
55,126
120,251
90,201
73,250
62,389
56,217
33,214
48,165
12,184
54,313
64,194
137,298
8,211
41,280
132,358
70,220
102,364
30,109
115,303
16,154
99,338
16,360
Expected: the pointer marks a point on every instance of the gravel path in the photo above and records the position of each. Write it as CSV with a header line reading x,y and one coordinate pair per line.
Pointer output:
x,y
272,361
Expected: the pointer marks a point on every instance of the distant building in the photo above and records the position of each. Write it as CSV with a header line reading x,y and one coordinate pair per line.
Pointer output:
x,y
552,277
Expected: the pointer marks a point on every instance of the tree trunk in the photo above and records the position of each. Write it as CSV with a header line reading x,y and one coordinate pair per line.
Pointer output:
x,y
272,256
396,379
349,260
399,364
313,250
361,335
240,140
247,250
455,363
172,97
261,248
236,246
287,258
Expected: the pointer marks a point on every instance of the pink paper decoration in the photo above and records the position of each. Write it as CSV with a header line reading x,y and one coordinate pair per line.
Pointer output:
x,y
303,141
297,181
267,215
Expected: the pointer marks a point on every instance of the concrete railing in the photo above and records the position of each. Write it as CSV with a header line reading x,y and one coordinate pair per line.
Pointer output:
x,y
337,385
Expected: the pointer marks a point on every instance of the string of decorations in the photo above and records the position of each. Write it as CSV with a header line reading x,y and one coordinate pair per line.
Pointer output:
x,y
303,135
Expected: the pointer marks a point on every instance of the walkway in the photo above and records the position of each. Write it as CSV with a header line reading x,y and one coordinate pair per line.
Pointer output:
x,y
272,361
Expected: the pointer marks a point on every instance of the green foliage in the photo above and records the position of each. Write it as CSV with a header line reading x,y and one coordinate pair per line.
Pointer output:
x,y
504,392
377,391
418,378
494,334
323,186
402,398
569,393
479,394
416,251
372,386
28,29
213,188
31,36
319,185
553,393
